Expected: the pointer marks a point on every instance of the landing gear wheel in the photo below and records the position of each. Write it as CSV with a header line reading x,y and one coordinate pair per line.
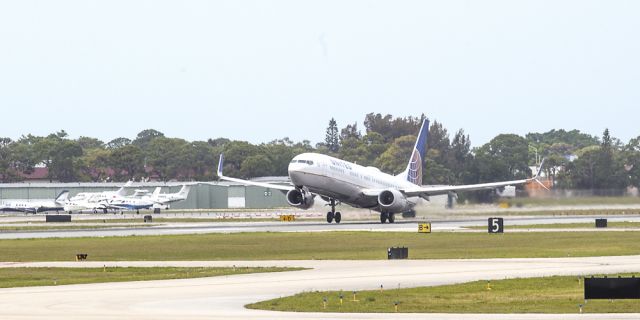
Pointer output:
x,y
383,217
104,210
392,218
329,217
337,217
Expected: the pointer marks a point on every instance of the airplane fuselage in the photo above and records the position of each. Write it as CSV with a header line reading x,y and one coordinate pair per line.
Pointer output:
x,y
342,180
31,206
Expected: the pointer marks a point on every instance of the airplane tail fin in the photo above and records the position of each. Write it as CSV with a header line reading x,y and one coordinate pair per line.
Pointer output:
x,y
155,193
62,197
184,191
413,172
122,191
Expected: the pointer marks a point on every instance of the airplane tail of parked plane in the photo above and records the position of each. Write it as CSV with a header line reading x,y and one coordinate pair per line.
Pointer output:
x,y
122,191
156,193
184,191
62,197
413,172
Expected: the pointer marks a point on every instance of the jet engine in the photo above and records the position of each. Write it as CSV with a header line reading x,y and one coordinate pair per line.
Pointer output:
x,y
392,200
300,198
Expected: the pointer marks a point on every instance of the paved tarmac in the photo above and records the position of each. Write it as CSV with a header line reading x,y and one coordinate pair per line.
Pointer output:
x,y
304,226
225,297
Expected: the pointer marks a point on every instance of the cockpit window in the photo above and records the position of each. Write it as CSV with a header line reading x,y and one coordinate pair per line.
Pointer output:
x,y
309,162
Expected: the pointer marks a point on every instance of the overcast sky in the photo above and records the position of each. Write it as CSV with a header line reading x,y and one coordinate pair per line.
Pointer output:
x,y
262,70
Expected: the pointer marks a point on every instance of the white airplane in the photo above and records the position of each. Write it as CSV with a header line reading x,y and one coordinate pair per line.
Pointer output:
x,y
94,201
126,203
37,205
104,195
338,181
130,203
164,200
80,205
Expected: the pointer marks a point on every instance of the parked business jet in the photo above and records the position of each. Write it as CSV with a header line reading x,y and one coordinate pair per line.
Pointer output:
x,y
164,200
37,205
104,195
94,201
338,181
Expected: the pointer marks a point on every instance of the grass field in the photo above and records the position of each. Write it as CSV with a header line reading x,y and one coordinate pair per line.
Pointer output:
x,y
27,277
323,245
536,295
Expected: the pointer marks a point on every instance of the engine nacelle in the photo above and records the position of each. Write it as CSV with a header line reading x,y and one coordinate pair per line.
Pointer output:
x,y
393,201
300,198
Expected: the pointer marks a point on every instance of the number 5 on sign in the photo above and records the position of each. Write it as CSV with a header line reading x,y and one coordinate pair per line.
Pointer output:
x,y
496,225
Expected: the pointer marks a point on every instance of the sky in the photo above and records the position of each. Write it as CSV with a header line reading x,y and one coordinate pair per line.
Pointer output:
x,y
264,70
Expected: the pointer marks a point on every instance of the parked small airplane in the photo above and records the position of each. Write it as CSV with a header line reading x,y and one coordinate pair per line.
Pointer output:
x,y
338,181
104,195
164,200
36,206
80,205
125,203
94,201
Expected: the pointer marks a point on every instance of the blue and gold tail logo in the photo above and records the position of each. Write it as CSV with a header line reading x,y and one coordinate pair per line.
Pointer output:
x,y
414,175
414,168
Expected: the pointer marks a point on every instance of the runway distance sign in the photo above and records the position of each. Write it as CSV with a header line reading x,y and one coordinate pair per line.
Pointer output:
x,y
496,225
424,227
287,218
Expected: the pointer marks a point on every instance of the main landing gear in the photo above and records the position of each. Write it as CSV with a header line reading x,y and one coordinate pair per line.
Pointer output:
x,y
333,215
384,216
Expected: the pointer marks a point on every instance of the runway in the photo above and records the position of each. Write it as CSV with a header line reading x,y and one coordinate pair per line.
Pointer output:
x,y
300,226
225,297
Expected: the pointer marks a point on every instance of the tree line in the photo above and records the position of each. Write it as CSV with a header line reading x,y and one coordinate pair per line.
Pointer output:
x,y
575,160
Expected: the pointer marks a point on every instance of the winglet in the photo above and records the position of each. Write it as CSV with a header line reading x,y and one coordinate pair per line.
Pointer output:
x,y
220,165
537,176
540,169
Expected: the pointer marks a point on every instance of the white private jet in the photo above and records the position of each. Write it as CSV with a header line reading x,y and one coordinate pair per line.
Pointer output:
x,y
338,181
164,200
37,205
94,201
104,195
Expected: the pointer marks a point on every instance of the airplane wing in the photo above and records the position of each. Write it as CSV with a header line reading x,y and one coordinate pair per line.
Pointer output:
x,y
248,182
425,192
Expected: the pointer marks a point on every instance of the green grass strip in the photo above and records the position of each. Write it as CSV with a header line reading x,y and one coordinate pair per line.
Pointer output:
x,y
535,295
28,277
323,245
